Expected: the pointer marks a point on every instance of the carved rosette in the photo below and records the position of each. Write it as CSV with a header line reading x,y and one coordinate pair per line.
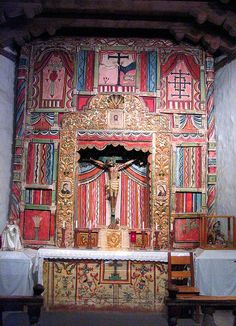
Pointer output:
x,y
136,118
161,208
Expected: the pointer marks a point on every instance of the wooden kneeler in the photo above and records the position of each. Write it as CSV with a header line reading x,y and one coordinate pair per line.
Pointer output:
x,y
32,304
181,282
181,274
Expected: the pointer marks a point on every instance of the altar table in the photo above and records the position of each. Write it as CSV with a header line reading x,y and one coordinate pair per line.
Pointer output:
x,y
56,253
128,279
16,272
215,272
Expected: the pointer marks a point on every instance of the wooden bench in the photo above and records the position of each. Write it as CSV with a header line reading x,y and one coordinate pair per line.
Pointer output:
x,y
208,306
31,304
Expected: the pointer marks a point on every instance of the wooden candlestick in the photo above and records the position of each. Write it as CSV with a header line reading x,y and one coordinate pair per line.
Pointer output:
x,y
171,239
63,237
143,246
76,231
156,244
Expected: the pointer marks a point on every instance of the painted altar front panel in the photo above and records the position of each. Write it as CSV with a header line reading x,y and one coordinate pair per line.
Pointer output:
x,y
89,284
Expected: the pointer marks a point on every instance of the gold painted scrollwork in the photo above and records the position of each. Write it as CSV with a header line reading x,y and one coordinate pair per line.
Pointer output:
x,y
136,118
162,176
66,177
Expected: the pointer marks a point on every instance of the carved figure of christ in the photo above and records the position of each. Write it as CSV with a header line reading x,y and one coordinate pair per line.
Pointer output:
x,y
112,187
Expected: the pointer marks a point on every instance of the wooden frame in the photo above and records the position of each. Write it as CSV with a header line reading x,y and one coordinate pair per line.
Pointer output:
x,y
218,232
186,231
78,125
85,238
142,239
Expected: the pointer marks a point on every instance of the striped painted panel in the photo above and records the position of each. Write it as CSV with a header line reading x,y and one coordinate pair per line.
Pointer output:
x,y
134,205
38,196
148,80
188,202
92,199
22,75
40,163
85,70
15,199
188,167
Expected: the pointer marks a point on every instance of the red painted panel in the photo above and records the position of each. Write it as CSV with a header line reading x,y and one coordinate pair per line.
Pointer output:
x,y
29,226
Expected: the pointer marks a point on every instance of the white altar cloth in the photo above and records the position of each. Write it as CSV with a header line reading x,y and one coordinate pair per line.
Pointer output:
x,y
215,272
16,269
132,255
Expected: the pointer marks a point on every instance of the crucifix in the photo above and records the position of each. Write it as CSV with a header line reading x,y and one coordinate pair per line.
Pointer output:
x,y
115,275
118,57
112,187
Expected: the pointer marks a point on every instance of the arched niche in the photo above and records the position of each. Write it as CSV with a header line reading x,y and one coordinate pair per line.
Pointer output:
x,y
112,120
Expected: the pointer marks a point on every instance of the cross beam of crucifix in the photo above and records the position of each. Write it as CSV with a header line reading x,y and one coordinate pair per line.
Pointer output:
x,y
118,57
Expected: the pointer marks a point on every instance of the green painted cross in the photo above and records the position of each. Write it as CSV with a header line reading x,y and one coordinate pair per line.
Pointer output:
x,y
115,276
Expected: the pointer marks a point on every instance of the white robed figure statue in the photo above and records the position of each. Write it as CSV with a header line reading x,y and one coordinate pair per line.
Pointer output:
x,y
11,238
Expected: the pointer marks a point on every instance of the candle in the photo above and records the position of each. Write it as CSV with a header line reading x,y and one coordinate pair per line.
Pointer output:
x,y
132,236
171,227
156,227
76,224
64,224
90,225
143,225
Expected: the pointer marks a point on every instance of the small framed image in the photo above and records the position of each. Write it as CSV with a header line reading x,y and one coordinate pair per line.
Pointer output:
x,y
116,119
161,190
186,231
66,188
218,232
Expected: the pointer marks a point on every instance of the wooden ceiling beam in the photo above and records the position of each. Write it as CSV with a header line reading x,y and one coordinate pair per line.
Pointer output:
x,y
202,11
11,10
101,23
38,26
209,24
133,7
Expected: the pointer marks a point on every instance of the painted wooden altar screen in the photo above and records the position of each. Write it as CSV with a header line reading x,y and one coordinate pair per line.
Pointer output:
x,y
70,90
149,96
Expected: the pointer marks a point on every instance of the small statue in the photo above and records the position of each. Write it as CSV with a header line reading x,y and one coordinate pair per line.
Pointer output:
x,y
11,239
215,236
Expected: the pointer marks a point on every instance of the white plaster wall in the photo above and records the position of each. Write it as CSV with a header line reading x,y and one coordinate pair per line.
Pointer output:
x,y
225,106
7,78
